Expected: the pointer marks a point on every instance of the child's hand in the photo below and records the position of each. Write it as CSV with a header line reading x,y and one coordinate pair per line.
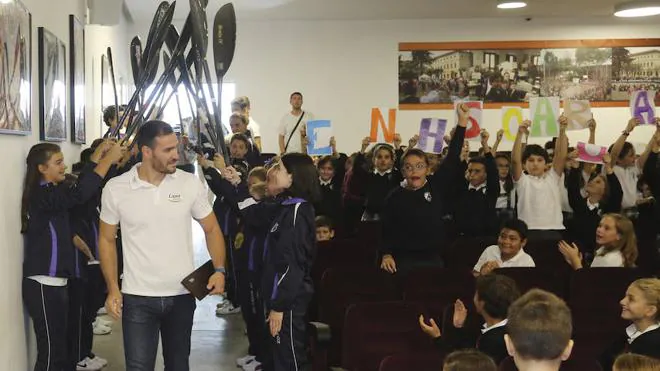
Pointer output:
x,y
489,267
388,264
204,162
397,140
632,123
463,113
365,143
591,124
572,159
460,314
571,254
500,135
413,141
333,143
484,136
431,330
219,161
524,127
563,122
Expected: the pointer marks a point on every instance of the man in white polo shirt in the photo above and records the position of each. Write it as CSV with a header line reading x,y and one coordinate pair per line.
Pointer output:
x,y
292,124
154,202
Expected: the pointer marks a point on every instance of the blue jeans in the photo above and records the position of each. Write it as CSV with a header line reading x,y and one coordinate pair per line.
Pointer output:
x,y
143,318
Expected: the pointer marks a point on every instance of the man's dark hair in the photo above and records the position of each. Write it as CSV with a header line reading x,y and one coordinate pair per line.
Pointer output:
x,y
242,138
295,93
516,225
539,325
535,150
497,292
150,131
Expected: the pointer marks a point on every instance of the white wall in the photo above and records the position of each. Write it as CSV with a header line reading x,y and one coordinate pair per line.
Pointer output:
x,y
14,324
346,67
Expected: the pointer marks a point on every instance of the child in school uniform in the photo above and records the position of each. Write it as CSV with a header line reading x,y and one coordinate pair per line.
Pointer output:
x,y
616,241
325,230
474,208
641,306
49,252
352,198
413,229
509,250
494,294
376,184
505,208
287,284
239,125
603,196
538,190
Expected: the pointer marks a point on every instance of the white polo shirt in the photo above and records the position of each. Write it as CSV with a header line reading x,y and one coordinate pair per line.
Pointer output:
x,y
539,200
613,258
492,253
156,229
628,178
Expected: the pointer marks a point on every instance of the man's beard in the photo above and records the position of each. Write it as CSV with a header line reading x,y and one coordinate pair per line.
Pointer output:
x,y
161,167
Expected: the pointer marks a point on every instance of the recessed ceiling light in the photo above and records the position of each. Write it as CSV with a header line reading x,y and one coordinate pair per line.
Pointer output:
x,y
510,4
637,9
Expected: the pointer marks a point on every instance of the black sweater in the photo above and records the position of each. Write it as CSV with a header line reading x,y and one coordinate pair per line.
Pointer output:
x,y
474,211
491,343
289,254
647,344
49,247
330,204
376,186
585,221
412,219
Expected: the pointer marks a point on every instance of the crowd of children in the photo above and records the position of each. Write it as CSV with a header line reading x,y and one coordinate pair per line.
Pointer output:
x,y
273,213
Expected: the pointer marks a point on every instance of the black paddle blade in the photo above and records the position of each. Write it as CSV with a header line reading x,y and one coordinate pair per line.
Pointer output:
x,y
158,41
224,39
153,29
199,26
172,38
136,59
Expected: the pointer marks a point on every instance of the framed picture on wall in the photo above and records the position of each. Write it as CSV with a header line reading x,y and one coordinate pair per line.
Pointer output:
x,y
16,69
605,72
52,86
77,79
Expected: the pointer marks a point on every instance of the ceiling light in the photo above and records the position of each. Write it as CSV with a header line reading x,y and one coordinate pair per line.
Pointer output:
x,y
510,4
637,9
6,1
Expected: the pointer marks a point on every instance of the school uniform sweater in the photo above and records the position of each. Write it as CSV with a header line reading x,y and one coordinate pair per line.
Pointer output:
x,y
330,203
647,344
85,224
586,217
289,254
412,219
376,186
474,212
49,247
490,343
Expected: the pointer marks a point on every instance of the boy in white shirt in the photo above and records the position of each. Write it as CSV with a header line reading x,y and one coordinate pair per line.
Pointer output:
x,y
539,197
509,250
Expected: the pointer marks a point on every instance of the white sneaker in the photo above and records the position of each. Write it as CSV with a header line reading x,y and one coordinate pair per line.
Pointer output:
x,y
101,321
102,311
98,360
227,309
101,330
253,366
87,365
244,360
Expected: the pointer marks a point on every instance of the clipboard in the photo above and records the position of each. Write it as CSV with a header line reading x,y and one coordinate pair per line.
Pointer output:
x,y
196,281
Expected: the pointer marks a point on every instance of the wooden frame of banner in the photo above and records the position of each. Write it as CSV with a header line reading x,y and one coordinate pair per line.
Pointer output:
x,y
518,45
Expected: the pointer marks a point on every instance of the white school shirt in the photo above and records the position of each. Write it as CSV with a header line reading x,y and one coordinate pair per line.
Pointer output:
x,y
485,328
156,225
287,123
633,333
628,178
502,199
492,253
611,259
539,200
254,128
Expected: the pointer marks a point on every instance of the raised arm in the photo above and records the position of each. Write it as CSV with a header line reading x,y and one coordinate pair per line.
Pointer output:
x,y
618,145
613,202
516,153
498,140
575,199
588,168
561,147
649,147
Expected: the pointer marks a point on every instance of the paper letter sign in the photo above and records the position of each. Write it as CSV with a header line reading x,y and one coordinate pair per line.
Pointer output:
x,y
431,135
387,129
473,130
591,153
544,113
512,117
578,113
642,106
319,133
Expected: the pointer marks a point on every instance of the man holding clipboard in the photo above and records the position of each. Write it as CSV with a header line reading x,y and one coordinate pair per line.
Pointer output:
x,y
154,202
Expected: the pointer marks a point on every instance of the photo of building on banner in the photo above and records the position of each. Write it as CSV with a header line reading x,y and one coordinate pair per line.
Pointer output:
x,y
544,114
591,153
642,106
512,117
473,130
578,113
382,127
319,133
431,135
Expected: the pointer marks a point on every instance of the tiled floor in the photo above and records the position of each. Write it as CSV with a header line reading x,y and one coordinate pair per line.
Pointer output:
x,y
216,341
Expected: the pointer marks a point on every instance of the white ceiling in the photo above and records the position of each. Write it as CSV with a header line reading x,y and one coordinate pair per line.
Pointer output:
x,y
143,10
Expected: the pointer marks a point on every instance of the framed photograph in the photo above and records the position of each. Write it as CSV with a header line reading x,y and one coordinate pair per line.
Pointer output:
x,y
77,79
605,72
52,85
16,69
